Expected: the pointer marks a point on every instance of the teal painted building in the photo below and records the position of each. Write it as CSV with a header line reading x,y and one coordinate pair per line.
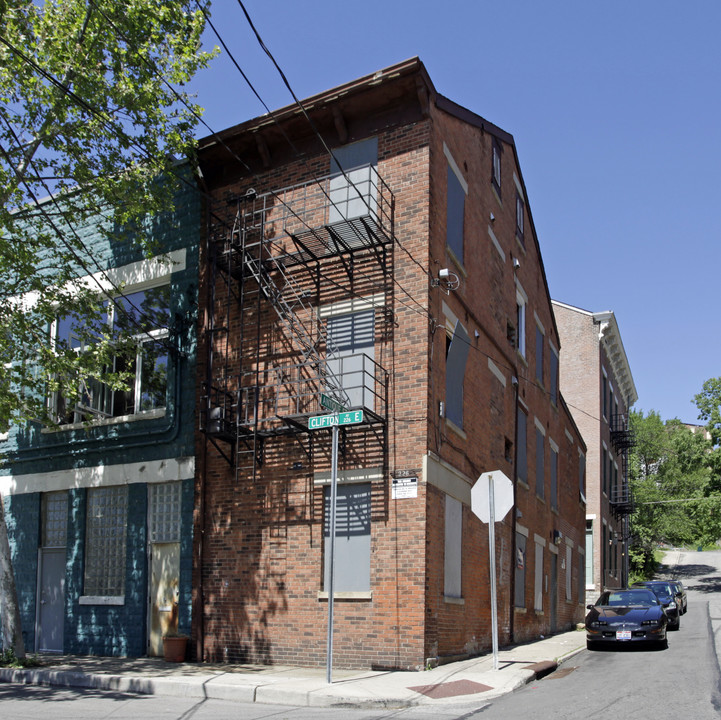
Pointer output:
x,y
100,506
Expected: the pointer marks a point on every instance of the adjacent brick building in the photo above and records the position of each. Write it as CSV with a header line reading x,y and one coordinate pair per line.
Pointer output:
x,y
597,382
374,251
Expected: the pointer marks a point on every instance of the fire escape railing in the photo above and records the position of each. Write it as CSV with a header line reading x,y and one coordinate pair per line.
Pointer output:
x,y
622,439
271,234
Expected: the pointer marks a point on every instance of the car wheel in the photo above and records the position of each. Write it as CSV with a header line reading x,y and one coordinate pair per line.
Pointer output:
x,y
590,645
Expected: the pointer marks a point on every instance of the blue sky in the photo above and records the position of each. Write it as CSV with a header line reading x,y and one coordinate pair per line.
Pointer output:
x,y
616,113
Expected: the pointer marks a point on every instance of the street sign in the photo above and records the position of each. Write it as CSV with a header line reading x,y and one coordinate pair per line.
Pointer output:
x,y
502,495
318,422
330,404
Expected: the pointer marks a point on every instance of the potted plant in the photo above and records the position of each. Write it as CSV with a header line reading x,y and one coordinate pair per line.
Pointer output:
x,y
174,647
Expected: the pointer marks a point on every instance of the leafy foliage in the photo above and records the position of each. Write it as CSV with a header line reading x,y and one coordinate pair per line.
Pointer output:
x,y
672,481
8,658
93,110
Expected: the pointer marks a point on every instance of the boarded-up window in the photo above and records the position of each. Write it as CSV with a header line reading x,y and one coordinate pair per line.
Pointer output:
x,y
540,464
522,459
554,476
351,355
455,372
353,180
540,338
520,571
352,539
538,579
569,573
554,376
453,548
455,208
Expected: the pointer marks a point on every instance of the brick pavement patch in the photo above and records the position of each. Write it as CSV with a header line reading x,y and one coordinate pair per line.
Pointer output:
x,y
451,689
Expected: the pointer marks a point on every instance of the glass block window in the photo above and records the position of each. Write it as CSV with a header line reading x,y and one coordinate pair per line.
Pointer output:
x,y
164,512
55,519
105,541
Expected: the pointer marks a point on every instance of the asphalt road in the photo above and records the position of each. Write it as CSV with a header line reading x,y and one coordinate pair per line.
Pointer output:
x,y
680,683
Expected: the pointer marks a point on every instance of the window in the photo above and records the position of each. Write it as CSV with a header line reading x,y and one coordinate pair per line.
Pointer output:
x,y
520,572
610,405
540,343
142,316
522,459
353,182
352,539
553,357
520,212
582,475
453,548
582,579
456,356
554,474
351,355
496,169
521,301
540,463
538,579
455,207
107,510
54,508
604,389
164,501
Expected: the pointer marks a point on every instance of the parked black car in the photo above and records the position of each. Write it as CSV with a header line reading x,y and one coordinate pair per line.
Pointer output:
x,y
667,597
626,616
677,585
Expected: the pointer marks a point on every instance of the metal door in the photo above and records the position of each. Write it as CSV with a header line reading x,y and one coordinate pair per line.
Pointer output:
x,y
50,619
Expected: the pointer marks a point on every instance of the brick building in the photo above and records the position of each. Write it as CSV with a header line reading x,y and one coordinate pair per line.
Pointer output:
x,y
597,382
374,252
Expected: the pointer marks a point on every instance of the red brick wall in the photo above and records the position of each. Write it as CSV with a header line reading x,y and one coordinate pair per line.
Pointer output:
x,y
259,549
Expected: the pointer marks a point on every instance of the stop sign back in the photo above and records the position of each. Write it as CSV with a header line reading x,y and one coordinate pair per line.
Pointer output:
x,y
502,495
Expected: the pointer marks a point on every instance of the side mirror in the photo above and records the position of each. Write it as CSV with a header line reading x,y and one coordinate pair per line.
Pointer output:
x,y
589,607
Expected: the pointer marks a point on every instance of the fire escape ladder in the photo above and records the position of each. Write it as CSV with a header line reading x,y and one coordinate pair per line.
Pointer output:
x,y
289,305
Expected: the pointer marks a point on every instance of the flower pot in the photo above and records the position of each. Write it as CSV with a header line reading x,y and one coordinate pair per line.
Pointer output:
x,y
174,648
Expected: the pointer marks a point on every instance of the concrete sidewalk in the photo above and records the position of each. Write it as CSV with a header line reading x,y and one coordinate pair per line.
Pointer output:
x,y
459,682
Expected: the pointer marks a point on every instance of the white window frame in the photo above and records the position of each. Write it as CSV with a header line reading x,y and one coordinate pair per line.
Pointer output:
x,y
133,277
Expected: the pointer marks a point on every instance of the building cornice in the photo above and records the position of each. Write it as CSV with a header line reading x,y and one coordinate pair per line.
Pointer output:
x,y
610,337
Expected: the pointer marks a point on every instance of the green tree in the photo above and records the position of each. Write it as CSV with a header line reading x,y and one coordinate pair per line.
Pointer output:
x,y
671,480
93,111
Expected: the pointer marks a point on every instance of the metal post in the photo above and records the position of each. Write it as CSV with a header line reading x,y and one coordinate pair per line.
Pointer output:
x,y
331,552
492,557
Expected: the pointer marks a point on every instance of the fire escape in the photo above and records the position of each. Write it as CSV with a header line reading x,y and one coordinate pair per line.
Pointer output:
x,y
271,361
622,439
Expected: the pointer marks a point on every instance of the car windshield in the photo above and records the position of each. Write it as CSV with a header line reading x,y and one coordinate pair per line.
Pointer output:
x,y
627,598
661,589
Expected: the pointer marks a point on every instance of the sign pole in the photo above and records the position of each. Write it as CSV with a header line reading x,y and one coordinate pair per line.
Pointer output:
x,y
331,552
492,557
